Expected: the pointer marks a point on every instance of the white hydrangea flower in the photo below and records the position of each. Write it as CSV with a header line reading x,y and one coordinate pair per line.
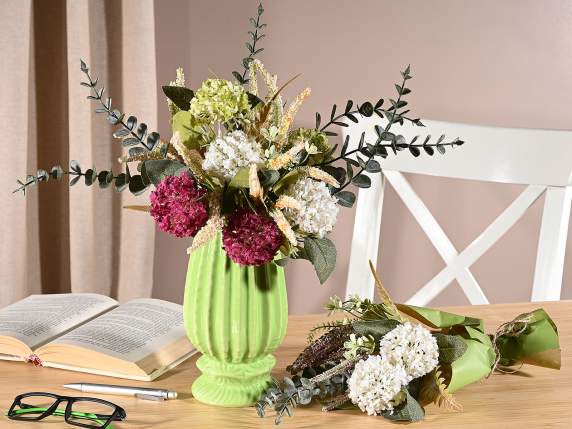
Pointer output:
x,y
227,154
413,347
318,210
375,384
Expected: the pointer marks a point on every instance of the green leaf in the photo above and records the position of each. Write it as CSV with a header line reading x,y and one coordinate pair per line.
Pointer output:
x,y
345,198
74,180
286,180
57,172
90,176
241,178
74,166
130,141
42,176
409,410
136,185
362,181
451,347
376,328
366,109
135,151
121,133
121,182
414,151
253,100
372,166
322,254
179,95
181,122
157,169
152,140
268,177
131,122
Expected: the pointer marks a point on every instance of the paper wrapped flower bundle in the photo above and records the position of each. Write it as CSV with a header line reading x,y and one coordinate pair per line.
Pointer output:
x,y
237,164
392,360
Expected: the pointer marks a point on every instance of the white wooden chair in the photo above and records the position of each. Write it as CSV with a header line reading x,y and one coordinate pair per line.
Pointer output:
x,y
541,159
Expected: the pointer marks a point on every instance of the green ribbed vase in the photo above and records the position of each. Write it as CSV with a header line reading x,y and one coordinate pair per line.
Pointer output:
x,y
236,316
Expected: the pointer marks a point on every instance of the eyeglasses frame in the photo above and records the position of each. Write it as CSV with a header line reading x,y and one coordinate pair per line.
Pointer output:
x,y
117,415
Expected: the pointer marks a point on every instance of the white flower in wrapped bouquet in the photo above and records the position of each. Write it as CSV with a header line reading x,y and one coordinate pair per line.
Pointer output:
x,y
412,346
375,384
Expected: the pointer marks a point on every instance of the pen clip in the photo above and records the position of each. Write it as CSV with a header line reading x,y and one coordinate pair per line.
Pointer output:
x,y
149,397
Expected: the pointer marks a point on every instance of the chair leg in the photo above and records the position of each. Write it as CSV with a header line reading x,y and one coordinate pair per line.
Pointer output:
x,y
552,244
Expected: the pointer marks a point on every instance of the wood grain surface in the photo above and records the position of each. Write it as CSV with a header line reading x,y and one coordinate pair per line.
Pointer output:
x,y
534,397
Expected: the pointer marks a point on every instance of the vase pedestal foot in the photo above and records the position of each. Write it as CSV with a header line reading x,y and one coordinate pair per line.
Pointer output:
x,y
228,384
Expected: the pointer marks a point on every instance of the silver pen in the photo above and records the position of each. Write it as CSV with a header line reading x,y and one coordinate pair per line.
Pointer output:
x,y
109,389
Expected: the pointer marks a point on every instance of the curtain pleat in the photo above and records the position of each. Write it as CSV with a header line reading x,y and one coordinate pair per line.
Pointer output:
x,y
139,77
19,244
55,239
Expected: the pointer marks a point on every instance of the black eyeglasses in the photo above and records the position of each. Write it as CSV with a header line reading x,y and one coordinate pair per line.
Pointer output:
x,y
79,411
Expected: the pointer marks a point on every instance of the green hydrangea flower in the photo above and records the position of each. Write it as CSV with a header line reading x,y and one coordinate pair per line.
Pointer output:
x,y
219,100
317,144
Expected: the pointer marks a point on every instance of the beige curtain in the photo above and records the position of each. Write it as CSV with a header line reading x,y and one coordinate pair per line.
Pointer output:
x,y
78,239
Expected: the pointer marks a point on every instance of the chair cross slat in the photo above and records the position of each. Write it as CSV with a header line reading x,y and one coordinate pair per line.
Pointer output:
x,y
481,244
436,235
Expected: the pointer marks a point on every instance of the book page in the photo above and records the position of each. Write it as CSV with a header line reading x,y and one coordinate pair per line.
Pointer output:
x,y
38,319
131,331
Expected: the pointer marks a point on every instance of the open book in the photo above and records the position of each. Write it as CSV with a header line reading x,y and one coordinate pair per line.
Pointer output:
x,y
92,333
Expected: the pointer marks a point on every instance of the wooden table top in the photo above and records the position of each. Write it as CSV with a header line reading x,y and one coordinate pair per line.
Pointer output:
x,y
536,397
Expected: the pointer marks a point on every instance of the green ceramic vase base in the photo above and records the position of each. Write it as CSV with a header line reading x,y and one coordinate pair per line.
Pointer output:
x,y
236,316
232,385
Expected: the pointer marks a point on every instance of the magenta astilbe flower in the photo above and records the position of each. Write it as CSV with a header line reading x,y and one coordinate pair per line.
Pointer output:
x,y
250,238
176,206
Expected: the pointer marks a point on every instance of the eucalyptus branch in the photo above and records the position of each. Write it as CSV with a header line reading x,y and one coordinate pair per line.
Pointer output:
x,y
301,391
130,135
386,141
137,184
253,50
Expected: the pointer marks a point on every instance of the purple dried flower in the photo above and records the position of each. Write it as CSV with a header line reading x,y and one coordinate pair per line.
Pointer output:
x,y
251,238
177,207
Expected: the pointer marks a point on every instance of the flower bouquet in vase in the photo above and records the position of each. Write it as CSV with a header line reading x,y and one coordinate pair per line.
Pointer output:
x,y
254,192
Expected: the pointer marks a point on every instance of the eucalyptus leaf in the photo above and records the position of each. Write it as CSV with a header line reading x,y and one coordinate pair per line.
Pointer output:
x,y
74,180
136,185
57,172
157,169
345,198
362,181
121,182
372,166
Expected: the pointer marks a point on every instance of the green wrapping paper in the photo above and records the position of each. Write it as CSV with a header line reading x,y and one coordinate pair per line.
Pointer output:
x,y
531,338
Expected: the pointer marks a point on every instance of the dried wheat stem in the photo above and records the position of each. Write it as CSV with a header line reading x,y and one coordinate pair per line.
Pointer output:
x,y
339,368
336,402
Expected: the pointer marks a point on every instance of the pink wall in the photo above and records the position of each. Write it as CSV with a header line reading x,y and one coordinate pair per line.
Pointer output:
x,y
501,63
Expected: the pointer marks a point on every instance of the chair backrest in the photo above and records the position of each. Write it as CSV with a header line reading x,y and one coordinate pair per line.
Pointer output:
x,y
541,159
